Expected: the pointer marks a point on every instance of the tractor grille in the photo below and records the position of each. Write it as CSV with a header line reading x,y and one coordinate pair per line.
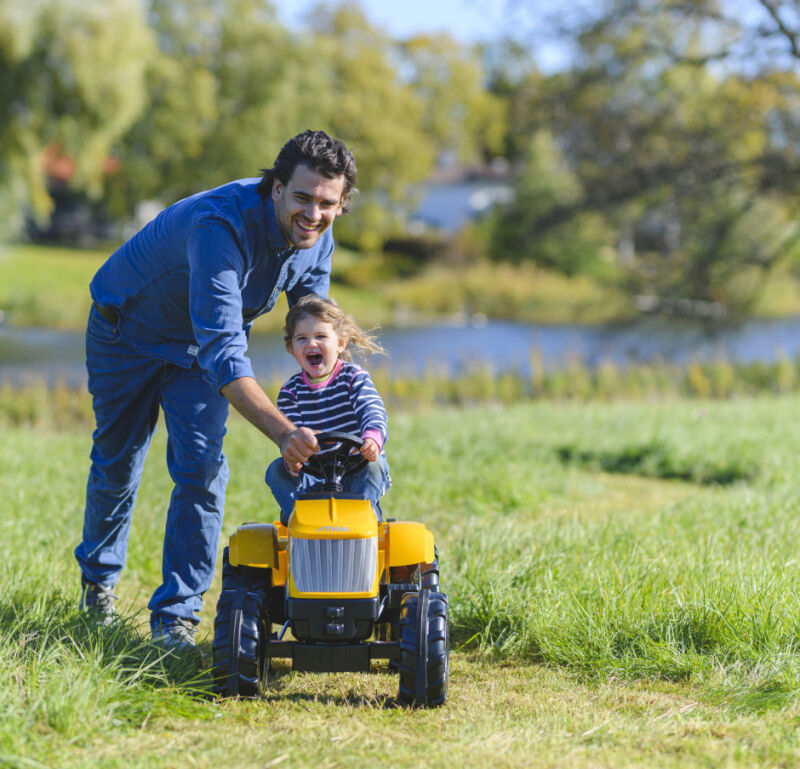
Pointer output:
x,y
333,565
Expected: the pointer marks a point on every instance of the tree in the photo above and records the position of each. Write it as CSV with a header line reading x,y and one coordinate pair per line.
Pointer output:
x,y
460,113
72,79
676,143
376,114
545,184
229,87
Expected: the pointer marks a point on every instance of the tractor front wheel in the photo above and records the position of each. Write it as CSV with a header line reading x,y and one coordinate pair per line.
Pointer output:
x,y
241,631
424,658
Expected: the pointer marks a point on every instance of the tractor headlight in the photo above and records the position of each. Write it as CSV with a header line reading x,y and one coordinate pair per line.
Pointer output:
x,y
333,565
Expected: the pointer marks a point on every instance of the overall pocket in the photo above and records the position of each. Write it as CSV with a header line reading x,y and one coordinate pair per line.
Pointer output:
x,y
100,328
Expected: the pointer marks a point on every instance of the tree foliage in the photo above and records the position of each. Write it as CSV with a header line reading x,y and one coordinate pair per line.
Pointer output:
x,y
375,113
666,151
544,186
73,79
462,116
679,144
228,87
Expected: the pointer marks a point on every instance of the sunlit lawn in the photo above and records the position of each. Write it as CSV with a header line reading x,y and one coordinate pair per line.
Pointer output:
x,y
603,613
44,286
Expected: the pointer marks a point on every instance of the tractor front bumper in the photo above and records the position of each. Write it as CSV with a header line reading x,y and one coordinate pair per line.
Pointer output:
x,y
332,619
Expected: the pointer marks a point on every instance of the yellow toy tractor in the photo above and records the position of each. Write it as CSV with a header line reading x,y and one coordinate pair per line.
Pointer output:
x,y
350,587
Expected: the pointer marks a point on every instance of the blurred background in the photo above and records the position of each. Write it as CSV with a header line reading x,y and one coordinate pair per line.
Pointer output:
x,y
544,187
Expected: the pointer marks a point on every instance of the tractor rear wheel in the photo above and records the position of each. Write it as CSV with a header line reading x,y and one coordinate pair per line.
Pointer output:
x,y
241,630
429,575
424,658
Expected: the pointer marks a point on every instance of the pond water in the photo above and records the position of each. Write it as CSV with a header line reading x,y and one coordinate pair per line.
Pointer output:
x,y
27,353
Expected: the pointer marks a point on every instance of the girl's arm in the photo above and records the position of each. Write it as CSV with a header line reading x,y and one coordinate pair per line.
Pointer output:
x,y
370,411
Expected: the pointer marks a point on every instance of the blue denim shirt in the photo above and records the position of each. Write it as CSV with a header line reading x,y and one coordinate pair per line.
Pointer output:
x,y
188,285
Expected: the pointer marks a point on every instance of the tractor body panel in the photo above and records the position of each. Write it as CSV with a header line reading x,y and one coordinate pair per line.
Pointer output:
x,y
254,544
336,516
333,549
408,543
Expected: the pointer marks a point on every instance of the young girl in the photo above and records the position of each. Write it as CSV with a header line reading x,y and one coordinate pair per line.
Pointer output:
x,y
331,393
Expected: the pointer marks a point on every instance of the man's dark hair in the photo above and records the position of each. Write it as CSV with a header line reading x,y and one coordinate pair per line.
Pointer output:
x,y
318,151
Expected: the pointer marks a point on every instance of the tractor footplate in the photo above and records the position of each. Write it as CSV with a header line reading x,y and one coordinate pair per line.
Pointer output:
x,y
333,658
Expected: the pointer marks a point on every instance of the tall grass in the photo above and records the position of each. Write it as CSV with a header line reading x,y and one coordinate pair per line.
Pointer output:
x,y
543,566
63,681
35,403
633,602
554,558
522,292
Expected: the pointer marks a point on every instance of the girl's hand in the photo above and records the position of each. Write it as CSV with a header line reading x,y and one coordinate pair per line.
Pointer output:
x,y
370,450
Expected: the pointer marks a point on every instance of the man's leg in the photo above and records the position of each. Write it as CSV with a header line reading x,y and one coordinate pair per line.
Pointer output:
x,y
195,415
124,386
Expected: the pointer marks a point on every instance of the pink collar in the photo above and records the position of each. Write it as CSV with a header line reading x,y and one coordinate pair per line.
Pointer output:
x,y
319,385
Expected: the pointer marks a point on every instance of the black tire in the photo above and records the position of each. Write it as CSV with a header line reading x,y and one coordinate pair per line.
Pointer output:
x,y
429,572
429,575
424,656
241,631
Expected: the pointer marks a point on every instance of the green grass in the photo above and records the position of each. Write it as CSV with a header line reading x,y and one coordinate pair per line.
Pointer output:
x,y
607,610
46,286
43,286
512,292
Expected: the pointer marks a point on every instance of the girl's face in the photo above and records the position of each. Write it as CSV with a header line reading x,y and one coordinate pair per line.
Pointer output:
x,y
316,346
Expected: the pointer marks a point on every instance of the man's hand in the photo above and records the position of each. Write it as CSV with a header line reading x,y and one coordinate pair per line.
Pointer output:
x,y
247,397
297,446
369,450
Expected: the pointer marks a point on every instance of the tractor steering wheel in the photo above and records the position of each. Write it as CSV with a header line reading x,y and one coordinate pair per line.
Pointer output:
x,y
338,456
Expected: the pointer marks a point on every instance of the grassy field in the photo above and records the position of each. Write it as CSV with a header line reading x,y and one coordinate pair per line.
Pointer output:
x,y
42,286
624,586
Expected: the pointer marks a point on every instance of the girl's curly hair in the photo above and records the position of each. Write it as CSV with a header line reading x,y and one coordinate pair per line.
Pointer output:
x,y
328,311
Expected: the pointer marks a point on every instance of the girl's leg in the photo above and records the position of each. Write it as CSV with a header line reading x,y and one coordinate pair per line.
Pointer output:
x,y
372,482
284,487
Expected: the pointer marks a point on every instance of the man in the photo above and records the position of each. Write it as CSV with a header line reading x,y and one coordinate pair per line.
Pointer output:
x,y
168,329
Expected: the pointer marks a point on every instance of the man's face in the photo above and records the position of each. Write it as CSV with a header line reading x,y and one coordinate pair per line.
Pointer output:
x,y
307,205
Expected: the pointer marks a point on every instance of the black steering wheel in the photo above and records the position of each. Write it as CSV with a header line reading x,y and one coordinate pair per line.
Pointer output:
x,y
338,456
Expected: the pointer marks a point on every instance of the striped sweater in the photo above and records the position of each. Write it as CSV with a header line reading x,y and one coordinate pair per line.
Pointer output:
x,y
346,401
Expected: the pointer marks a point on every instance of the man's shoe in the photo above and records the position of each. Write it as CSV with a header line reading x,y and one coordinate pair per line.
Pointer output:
x,y
177,634
98,601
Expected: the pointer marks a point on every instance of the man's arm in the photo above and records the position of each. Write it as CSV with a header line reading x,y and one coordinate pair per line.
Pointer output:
x,y
297,444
